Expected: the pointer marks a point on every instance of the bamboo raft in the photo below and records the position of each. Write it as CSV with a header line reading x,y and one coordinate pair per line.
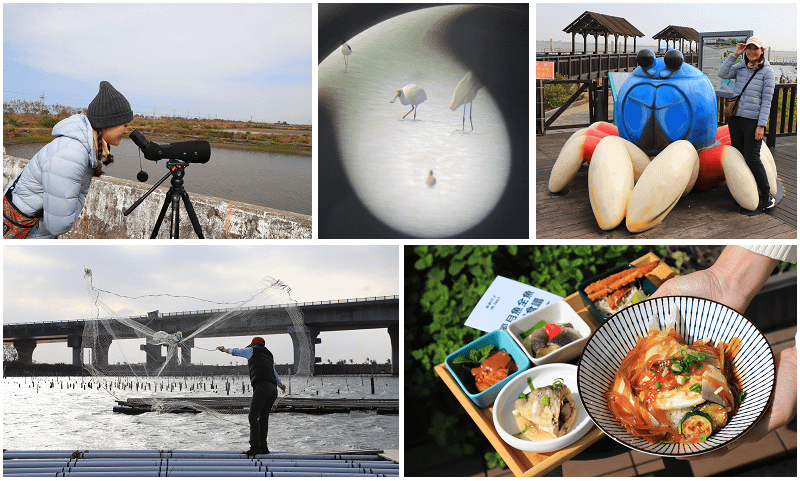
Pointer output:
x,y
151,463
241,405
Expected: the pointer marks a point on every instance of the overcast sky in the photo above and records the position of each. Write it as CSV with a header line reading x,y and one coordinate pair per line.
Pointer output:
x,y
775,23
231,61
45,283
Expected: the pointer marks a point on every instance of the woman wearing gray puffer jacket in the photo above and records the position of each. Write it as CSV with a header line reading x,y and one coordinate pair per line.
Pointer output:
x,y
747,124
53,185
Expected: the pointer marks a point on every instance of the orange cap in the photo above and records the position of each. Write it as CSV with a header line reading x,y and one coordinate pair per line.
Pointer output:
x,y
257,340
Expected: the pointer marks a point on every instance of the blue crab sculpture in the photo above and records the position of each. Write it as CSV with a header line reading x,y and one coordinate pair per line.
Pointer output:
x,y
666,143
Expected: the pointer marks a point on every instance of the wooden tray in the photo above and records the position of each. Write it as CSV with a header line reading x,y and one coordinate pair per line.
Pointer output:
x,y
537,464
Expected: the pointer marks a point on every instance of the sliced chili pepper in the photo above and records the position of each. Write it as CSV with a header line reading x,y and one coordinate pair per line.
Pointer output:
x,y
552,330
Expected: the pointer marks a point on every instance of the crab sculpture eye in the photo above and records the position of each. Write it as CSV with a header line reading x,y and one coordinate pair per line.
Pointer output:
x,y
673,59
645,58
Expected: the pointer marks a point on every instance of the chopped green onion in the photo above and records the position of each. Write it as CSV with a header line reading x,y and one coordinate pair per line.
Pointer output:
x,y
666,442
530,385
658,385
521,432
522,396
703,437
535,327
558,383
696,387
742,396
545,400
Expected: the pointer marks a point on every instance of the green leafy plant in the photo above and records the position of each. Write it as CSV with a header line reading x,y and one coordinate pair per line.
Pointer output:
x,y
476,356
556,94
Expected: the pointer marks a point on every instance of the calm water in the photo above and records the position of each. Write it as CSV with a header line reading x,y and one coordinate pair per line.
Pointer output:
x,y
271,180
388,158
38,417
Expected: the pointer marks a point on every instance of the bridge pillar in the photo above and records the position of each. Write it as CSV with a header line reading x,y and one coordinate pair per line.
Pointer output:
x,y
313,338
25,349
394,336
186,352
76,343
153,355
100,352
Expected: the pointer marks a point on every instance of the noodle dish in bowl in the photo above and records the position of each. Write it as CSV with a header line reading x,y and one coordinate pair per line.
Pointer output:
x,y
676,376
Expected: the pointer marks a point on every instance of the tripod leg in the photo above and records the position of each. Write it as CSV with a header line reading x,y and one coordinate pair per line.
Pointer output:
x,y
175,226
167,201
192,216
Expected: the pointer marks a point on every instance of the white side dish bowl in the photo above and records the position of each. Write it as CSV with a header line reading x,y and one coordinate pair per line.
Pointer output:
x,y
556,313
540,376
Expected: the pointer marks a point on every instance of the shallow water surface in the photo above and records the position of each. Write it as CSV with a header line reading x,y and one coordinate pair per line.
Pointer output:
x,y
38,417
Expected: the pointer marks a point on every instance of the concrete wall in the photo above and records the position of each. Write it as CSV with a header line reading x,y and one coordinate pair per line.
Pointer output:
x,y
109,197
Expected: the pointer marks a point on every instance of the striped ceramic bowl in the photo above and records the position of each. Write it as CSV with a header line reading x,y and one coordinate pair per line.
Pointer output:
x,y
698,319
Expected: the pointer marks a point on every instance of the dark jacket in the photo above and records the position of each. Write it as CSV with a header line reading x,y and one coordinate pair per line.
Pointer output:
x,y
261,365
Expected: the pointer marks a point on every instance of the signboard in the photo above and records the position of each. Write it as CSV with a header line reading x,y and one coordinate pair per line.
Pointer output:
x,y
506,300
714,49
545,70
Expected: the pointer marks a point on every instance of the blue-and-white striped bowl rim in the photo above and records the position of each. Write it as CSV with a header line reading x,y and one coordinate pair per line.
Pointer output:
x,y
699,319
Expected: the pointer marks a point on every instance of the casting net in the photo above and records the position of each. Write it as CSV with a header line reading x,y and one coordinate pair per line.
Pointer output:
x,y
146,361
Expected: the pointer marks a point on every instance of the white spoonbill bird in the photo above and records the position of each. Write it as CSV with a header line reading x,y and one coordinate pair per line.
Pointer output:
x,y
346,50
410,94
465,93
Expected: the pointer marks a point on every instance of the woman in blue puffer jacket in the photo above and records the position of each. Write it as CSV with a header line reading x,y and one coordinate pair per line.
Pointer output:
x,y
747,124
54,184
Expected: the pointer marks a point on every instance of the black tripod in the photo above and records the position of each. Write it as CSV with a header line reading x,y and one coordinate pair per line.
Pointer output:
x,y
174,195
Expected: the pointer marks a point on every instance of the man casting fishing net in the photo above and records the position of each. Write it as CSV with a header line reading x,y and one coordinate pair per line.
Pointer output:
x,y
265,381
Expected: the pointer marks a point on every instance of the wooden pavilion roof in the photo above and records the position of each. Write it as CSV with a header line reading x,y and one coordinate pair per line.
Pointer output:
x,y
596,23
674,32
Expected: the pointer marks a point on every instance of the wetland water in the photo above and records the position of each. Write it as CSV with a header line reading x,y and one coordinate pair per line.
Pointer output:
x,y
277,181
64,413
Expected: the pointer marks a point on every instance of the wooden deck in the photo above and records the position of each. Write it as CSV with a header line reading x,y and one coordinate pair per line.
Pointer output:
x,y
712,214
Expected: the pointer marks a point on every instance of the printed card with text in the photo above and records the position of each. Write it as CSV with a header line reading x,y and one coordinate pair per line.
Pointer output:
x,y
506,300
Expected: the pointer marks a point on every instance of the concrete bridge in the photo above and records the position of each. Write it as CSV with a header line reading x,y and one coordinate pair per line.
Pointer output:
x,y
322,316
109,197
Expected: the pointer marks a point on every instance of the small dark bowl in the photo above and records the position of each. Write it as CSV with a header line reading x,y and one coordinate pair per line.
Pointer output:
x,y
642,283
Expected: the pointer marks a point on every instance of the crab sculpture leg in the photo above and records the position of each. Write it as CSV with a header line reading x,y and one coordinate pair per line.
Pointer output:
x,y
626,184
724,162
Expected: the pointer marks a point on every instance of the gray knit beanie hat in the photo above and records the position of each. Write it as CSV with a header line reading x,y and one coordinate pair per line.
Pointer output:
x,y
109,108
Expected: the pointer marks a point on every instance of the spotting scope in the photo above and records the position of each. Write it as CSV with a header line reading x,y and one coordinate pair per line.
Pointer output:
x,y
192,151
